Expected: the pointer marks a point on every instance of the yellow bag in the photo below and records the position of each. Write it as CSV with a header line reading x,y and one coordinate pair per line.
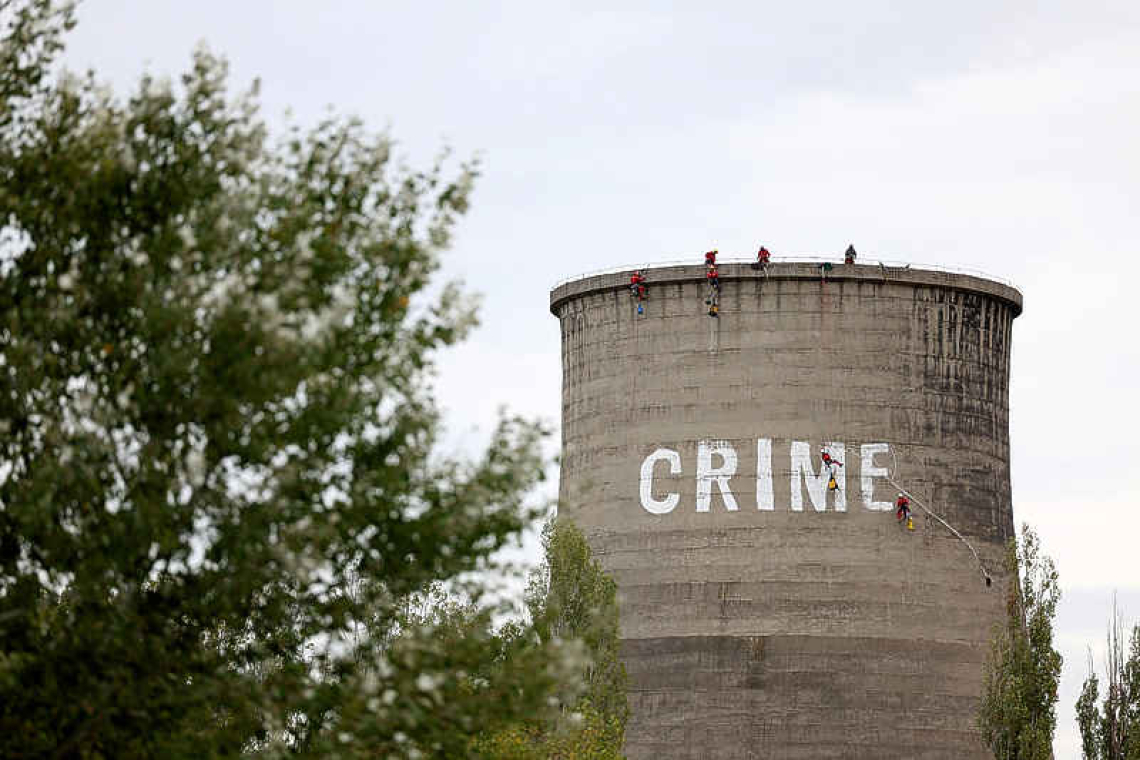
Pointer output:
x,y
832,485
910,523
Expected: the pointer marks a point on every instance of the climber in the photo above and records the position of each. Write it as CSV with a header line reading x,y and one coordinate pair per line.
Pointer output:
x,y
712,300
763,258
637,285
902,509
713,277
710,258
830,463
849,255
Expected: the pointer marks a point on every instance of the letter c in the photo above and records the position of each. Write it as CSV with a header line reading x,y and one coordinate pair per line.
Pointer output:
x,y
659,506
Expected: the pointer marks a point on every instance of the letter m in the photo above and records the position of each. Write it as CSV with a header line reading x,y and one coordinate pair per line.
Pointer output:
x,y
803,474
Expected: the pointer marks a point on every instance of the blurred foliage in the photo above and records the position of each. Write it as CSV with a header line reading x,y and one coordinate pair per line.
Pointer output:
x,y
219,479
1110,727
1018,714
571,598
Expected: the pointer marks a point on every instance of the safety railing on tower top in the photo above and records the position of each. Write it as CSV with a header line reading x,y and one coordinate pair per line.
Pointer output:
x,y
697,260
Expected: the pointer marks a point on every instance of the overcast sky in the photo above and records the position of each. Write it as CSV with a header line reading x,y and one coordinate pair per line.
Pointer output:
x,y
999,137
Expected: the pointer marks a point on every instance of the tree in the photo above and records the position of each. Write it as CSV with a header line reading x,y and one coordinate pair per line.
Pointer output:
x,y
570,597
1017,714
1110,729
219,484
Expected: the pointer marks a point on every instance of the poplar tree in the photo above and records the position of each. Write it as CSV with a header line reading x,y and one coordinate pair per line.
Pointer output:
x,y
1017,713
219,479
1110,723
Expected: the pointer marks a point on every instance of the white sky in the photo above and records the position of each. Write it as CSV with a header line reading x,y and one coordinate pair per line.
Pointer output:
x,y
1000,137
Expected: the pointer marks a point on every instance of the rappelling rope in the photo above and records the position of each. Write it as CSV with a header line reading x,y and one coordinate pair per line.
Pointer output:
x,y
936,516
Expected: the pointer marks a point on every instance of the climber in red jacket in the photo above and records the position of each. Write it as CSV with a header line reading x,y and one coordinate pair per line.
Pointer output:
x,y
902,508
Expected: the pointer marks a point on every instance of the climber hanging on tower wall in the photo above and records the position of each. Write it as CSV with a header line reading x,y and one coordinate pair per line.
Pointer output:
x,y
712,300
713,279
905,497
830,463
902,511
637,285
638,289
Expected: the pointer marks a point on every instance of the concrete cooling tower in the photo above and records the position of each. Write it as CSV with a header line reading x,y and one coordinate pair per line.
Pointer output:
x,y
766,612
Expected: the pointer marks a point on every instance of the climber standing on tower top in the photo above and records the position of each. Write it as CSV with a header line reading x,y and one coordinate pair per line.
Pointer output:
x,y
849,255
762,259
710,258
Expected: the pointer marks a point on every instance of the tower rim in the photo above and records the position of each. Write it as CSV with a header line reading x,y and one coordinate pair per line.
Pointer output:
x,y
618,279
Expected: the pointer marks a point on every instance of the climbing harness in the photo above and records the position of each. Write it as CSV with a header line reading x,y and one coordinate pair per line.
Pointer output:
x,y
934,515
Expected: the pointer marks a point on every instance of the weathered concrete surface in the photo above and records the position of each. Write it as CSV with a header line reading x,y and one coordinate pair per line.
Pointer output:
x,y
781,634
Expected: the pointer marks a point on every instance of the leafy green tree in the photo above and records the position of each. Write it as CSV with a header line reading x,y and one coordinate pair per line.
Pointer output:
x,y
1089,717
1017,714
571,597
219,484
1110,728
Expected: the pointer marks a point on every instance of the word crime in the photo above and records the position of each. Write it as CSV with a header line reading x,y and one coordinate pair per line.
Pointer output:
x,y
808,470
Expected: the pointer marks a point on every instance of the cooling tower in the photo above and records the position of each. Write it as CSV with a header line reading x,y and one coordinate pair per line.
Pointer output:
x,y
767,613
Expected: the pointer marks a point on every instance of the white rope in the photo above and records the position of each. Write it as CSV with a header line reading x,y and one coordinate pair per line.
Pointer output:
x,y
932,513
